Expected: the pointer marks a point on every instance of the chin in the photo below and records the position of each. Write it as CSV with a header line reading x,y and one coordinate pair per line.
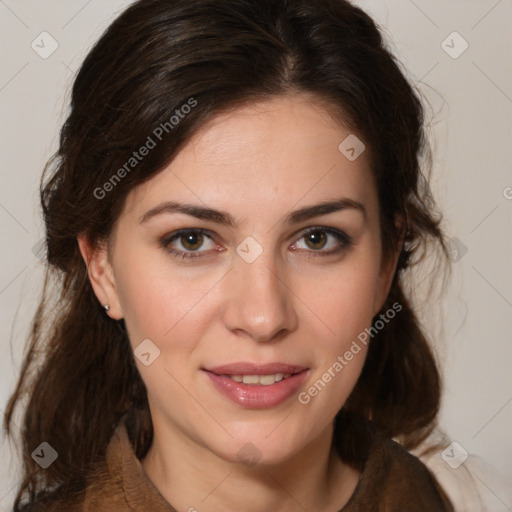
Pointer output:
x,y
259,448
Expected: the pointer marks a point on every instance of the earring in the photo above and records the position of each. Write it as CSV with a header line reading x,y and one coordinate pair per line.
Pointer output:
x,y
106,307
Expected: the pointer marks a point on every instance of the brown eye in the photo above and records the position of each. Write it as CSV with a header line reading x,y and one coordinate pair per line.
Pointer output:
x,y
323,241
188,243
192,241
315,239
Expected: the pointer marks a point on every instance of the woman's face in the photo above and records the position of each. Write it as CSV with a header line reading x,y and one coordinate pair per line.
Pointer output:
x,y
247,288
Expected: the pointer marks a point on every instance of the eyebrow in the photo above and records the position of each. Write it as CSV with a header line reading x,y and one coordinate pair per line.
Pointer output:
x,y
226,219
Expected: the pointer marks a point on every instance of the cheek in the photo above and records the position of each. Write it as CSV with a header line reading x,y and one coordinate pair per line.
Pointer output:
x,y
170,306
346,309
343,301
153,298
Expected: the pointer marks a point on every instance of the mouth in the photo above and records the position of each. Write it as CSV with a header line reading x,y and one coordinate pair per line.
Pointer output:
x,y
260,380
257,386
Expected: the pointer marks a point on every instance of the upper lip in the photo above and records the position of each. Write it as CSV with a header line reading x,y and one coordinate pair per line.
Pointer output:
x,y
247,368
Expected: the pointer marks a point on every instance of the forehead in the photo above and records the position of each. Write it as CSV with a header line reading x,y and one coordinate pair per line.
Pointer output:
x,y
268,155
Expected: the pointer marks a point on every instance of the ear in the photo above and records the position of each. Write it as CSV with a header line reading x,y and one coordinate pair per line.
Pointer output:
x,y
388,266
101,275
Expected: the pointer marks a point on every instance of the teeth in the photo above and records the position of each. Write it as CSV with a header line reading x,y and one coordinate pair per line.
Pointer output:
x,y
267,379
250,379
263,380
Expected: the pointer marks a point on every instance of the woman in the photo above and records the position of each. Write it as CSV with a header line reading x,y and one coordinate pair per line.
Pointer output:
x,y
231,218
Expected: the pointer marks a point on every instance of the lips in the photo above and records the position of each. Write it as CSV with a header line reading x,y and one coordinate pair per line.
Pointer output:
x,y
257,386
246,368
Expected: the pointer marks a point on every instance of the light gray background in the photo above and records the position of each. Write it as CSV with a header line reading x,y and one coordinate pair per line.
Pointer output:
x,y
471,100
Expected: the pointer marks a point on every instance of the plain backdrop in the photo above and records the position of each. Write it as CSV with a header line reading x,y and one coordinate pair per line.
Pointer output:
x,y
458,55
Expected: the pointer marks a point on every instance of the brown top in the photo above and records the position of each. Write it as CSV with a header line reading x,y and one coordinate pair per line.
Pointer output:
x,y
392,480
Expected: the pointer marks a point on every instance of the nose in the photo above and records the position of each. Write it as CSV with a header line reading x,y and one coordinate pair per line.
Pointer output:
x,y
259,301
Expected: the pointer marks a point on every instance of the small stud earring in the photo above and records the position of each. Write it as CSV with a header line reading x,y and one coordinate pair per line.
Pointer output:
x,y
106,307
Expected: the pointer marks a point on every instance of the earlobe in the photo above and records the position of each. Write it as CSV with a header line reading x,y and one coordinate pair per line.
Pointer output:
x,y
101,275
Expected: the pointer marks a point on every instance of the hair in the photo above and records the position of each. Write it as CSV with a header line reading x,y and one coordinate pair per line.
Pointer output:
x,y
78,375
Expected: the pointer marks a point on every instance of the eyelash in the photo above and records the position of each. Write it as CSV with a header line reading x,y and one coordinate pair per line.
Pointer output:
x,y
342,237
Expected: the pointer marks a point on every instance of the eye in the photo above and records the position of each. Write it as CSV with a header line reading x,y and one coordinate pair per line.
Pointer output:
x,y
317,240
190,241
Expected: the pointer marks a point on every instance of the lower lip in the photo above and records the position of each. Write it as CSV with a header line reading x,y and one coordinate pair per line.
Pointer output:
x,y
257,396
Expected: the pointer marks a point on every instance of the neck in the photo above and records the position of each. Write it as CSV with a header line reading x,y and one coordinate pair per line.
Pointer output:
x,y
191,477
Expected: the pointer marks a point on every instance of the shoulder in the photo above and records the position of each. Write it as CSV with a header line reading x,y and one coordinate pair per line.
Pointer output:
x,y
396,480
392,479
117,484
419,483
102,487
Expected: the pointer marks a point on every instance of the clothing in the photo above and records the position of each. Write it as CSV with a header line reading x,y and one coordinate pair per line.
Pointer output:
x,y
392,480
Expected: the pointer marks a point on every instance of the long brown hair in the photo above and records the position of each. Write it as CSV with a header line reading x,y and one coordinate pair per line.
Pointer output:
x,y
78,374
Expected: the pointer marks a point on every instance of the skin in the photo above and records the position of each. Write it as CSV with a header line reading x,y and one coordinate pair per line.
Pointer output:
x,y
292,304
